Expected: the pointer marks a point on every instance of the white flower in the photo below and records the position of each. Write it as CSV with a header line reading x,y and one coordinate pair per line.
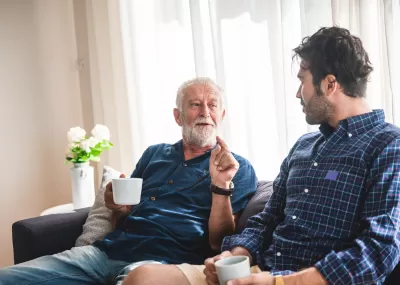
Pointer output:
x,y
76,134
71,146
85,145
101,132
93,141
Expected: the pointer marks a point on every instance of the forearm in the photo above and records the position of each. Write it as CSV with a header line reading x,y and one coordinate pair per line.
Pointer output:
x,y
349,266
221,222
309,276
258,232
116,218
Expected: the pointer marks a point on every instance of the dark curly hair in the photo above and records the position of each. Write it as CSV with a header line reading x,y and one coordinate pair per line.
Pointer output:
x,y
335,51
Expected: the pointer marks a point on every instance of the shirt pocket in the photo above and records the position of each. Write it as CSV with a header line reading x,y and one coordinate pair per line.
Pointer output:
x,y
338,196
192,179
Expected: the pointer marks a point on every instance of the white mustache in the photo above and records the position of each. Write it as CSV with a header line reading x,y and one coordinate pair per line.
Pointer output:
x,y
200,121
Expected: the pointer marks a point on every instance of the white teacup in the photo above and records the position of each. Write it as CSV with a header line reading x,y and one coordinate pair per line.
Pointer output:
x,y
232,267
127,191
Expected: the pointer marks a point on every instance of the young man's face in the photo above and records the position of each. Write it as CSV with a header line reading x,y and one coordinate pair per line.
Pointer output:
x,y
315,104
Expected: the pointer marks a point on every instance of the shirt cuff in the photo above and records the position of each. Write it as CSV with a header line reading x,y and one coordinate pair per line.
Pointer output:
x,y
283,273
332,269
249,243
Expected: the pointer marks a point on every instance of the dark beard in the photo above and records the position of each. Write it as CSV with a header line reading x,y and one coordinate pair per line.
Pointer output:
x,y
320,109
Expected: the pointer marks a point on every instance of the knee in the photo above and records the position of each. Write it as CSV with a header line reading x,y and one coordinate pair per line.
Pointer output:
x,y
11,275
141,275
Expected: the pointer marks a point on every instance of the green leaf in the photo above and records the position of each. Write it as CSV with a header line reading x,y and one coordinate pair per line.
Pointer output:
x,y
95,152
96,159
81,155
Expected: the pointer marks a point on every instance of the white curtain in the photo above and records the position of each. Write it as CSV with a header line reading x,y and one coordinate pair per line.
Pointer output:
x,y
246,46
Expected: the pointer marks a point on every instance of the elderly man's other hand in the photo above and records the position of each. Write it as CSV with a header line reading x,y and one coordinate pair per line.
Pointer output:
x,y
109,200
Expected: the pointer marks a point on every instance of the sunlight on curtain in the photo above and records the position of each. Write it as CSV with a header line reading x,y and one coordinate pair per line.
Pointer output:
x,y
246,46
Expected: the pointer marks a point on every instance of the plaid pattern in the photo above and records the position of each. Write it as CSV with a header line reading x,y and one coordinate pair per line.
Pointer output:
x,y
335,206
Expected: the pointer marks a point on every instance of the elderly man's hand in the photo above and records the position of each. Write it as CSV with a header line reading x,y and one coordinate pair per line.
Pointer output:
x,y
109,200
263,278
209,271
223,165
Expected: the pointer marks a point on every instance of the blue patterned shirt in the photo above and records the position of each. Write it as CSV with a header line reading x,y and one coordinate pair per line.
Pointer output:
x,y
335,205
170,224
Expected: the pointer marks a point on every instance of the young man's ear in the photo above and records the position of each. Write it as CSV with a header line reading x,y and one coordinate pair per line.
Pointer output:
x,y
329,84
177,115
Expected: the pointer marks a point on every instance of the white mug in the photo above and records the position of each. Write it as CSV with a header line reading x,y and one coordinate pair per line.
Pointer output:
x,y
127,191
232,267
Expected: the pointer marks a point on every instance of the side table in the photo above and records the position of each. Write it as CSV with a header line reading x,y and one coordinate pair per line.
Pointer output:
x,y
60,209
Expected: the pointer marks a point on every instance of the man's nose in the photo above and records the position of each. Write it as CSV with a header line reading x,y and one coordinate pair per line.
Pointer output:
x,y
298,94
205,111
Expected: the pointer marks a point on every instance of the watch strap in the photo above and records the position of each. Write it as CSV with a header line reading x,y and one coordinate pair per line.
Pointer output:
x,y
279,280
220,191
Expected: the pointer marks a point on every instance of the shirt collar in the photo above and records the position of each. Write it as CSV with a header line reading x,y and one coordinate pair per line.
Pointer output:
x,y
179,148
356,125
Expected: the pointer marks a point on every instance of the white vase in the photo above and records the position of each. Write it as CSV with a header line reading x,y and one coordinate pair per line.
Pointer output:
x,y
82,176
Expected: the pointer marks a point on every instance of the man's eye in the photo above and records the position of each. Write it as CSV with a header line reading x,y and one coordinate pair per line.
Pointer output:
x,y
213,106
194,104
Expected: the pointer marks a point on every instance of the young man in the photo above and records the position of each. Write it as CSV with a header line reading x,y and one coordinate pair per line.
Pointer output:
x,y
334,216
188,204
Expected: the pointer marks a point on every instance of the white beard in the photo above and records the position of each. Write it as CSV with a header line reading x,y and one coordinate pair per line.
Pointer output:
x,y
199,135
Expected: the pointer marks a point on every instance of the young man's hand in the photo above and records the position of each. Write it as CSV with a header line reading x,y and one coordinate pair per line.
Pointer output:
x,y
263,278
209,271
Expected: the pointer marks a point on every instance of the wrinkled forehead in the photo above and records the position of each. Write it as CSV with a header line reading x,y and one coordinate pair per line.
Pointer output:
x,y
201,91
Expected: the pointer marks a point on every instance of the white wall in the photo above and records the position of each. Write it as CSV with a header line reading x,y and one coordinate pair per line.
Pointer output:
x,y
39,102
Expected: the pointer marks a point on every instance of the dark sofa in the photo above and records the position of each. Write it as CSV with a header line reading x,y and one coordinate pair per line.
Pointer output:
x,y
51,234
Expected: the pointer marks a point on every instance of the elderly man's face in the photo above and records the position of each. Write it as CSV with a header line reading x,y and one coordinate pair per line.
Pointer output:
x,y
201,115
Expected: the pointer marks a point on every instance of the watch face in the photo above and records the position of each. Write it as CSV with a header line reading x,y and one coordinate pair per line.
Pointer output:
x,y
231,185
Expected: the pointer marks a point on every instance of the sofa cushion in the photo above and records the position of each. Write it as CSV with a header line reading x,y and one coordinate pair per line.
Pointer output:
x,y
98,222
256,203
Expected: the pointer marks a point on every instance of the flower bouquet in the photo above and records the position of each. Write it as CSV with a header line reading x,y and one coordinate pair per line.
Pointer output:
x,y
82,149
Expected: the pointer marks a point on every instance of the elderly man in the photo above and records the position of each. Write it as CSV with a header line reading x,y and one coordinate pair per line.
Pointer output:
x,y
193,192
334,216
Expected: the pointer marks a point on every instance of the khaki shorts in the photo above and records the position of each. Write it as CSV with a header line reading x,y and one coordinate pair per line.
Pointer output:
x,y
195,275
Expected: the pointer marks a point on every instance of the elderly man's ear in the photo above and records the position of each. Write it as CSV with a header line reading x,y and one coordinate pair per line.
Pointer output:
x,y
177,115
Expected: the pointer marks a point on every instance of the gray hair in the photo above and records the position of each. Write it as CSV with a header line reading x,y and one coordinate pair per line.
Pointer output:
x,y
198,81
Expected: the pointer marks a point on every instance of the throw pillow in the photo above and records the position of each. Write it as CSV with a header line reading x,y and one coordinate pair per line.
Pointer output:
x,y
98,222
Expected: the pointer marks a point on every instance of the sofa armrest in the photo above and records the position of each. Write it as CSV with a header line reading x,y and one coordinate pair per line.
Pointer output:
x,y
46,235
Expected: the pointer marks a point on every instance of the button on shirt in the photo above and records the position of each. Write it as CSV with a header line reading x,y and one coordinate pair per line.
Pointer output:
x,y
335,205
170,224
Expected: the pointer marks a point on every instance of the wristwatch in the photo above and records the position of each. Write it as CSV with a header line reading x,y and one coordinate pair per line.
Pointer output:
x,y
222,191
279,280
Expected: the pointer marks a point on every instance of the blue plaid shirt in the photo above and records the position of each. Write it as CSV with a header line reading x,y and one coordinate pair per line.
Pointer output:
x,y
335,205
